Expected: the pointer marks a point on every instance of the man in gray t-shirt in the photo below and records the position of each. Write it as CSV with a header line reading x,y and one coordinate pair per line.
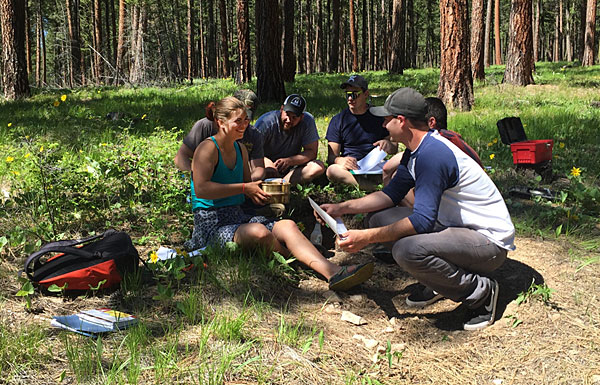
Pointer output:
x,y
290,142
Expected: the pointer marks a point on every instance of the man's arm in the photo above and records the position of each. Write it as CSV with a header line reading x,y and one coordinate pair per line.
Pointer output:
x,y
373,202
386,145
183,158
333,157
355,240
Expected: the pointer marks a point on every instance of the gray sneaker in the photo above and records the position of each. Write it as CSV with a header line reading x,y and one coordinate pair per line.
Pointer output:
x,y
423,296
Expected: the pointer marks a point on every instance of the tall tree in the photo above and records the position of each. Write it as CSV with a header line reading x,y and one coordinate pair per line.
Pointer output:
x,y
243,33
97,40
40,51
289,58
364,40
590,31
536,31
497,49
335,36
477,32
486,42
77,73
519,57
353,42
397,66
190,40
319,52
14,74
211,40
224,44
27,39
269,83
456,82
120,44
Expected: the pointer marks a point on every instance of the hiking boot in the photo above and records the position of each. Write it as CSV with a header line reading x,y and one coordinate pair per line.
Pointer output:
x,y
484,315
423,296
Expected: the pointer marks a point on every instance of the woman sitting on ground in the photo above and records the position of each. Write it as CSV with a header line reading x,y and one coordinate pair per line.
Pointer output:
x,y
221,178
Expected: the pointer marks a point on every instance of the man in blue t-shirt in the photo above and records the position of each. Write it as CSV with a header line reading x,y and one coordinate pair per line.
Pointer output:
x,y
353,133
459,230
290,142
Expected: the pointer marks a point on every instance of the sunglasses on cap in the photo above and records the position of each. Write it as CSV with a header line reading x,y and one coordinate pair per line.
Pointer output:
x,y
353,94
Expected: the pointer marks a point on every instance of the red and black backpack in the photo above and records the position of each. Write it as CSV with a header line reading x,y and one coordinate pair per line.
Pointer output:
x,y
83,263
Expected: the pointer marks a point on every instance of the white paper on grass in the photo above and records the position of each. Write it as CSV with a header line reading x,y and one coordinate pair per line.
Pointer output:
x,y
335,224
165,253
372,163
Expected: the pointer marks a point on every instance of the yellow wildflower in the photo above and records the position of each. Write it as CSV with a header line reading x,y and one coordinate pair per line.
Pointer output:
x,y
153,257
27,137
143,116
103,144
561,145
492,156
27,155
42,149
495,140
16,173
490,144
9,159
63,97
56,103
576,171
9,124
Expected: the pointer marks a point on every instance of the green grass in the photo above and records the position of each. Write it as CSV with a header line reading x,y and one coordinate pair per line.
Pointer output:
x,y
68,171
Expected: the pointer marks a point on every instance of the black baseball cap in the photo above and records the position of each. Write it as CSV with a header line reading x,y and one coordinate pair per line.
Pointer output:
x,y
403,101
356,81
294,103
249,98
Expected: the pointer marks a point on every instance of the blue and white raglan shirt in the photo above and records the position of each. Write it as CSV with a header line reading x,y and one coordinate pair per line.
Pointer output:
x,y
451,190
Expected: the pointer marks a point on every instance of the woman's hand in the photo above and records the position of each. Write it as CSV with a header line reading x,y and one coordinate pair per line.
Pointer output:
x,y
253,191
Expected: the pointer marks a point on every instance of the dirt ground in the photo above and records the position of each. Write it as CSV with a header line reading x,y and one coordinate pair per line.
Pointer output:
x,y
556,343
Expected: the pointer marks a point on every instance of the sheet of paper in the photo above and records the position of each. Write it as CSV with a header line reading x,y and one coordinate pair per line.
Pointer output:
x,y
335,224
165,253
371,160
378,169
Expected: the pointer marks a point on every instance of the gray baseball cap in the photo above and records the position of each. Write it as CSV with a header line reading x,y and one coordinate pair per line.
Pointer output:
x,y
356,81
403,101
294,103
249,98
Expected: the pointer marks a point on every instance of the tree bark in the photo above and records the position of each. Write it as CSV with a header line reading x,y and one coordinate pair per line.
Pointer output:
x,y
14,75
477,35
536,31
308,38
120,43
40,52
590,32
27,39
77,72
486,42
319,51
519,58
269,81
97,40
224,46
243,33
456,82
353,42
364,40
398,51
190,41
289,58
497,46
335,36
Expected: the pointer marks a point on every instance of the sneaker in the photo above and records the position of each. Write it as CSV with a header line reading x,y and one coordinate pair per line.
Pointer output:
x,y
383,254
484,315
423,296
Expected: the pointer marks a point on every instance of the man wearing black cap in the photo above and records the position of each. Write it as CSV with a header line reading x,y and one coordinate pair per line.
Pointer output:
x,y
290,142
459,230
206,127
353,133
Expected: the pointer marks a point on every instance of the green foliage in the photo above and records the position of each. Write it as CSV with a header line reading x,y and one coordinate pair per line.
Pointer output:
x,y
20,350
535,291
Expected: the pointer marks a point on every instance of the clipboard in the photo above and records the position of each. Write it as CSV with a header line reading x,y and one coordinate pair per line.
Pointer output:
x,y
335,224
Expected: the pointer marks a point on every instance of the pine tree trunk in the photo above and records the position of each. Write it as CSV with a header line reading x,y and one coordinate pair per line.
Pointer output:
x,y
486,39
536,31
581,31
27,39
40,52
190,41
430,38
14,75
211,40
519,58
335,36
364,40
269,73
398,51
224,45
477,32
353,42
120,44
590,32
243,32
497,47
77,73
319,52
308,37
98,40
456,82
289,58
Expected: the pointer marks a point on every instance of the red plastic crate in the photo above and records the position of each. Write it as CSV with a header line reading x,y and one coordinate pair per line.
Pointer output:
x,y
532,151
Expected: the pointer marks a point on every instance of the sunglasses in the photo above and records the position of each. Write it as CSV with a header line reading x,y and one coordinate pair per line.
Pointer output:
x,y
353,94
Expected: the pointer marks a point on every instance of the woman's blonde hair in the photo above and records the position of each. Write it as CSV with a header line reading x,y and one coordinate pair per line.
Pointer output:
x,y
226,106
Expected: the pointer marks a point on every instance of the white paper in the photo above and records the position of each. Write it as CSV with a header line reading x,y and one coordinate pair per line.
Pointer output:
x,y
165,253
335,224
371,161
